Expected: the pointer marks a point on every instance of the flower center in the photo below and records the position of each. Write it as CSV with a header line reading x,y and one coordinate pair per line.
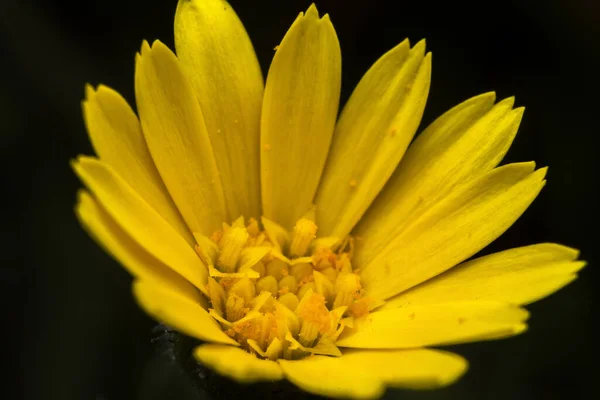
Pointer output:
x,y
282,294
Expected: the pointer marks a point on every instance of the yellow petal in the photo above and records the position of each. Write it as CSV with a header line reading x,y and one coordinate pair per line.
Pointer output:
x,y
179,312
465,142
519,276
131,255
238,364
365,374
298,117
373,132
413,369
117,137
329,376
217,54
140,221
434,324
176,134
456,228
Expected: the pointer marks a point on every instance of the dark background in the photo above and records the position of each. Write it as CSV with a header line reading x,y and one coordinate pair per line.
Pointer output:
x,y
73,330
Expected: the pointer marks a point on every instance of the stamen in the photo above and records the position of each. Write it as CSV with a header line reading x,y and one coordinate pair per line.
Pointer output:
x,y
235,309
315,318
231,245
244,288
348,289
282,294
304,232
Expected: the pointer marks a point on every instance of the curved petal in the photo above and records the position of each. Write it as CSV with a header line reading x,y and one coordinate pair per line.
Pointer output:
x,y
433,325
140,221
176,134
298,117
179,312
518,276
116,135
238,364
464,143
329,376
365,374
215,50
375,128
463,223
122,247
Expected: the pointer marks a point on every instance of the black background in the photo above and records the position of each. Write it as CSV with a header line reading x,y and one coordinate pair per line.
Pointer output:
x,y
73,330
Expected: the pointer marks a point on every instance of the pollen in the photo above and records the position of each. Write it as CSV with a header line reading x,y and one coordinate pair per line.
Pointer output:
x,y
281,295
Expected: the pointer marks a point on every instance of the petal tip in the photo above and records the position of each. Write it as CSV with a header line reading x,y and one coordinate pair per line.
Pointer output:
x,y
420,46
312,11
507,103
89,91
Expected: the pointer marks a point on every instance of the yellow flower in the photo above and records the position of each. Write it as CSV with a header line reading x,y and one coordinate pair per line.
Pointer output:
x,y
300,245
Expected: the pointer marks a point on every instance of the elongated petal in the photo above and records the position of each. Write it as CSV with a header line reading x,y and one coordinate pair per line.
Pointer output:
x,y
215,50
176,134
179,312
373,132
465,142
130,254
116,135
238,364
365,374
140,221
455,229
329,376
435,324
519,276
298,117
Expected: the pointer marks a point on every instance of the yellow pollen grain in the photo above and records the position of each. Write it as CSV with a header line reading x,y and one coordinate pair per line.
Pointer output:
x,y
324,258
267,146
307,279
353,183
283,290
227,283
360,307
216,236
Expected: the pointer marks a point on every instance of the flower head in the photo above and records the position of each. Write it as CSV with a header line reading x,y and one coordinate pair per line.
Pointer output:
x,y
300,245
